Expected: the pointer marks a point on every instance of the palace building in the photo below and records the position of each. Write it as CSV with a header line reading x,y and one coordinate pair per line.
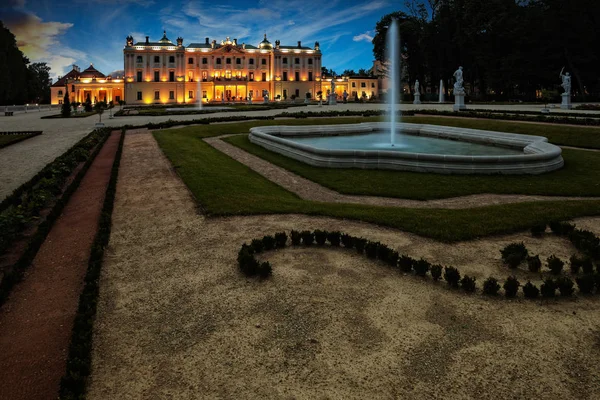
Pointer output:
x,y
164,72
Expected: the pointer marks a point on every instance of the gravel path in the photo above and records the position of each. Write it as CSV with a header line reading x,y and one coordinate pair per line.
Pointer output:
x,y
309,190
176,320
37,318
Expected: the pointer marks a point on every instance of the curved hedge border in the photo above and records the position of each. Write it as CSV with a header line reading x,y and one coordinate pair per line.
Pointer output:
x,y
43,191
585,241
79,361
503,115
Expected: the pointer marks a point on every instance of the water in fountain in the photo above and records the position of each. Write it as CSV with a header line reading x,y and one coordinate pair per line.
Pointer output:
x,y
441,97
199,95
394,65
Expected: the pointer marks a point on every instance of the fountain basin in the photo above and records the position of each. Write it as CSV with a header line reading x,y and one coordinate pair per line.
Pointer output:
x,y
525,154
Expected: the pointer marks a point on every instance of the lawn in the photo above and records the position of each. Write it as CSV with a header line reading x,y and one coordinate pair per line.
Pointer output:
x,y
564,135
7,140
579,177
223,186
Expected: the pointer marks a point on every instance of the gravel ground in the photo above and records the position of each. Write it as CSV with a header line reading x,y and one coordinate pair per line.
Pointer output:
x,y
176,319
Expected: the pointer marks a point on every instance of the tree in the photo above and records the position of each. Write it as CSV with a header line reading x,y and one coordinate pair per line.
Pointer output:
x,y
88,104
349,72
99,108
66,106
38,77
13,70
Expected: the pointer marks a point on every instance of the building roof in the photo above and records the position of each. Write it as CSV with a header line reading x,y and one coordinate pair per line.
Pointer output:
x,y
91,72
295,47
73,74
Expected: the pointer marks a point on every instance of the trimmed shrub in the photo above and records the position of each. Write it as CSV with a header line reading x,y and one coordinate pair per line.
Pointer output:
x,y
452,276
347,241
257,245
587,266
296,237
307,238
265,270
392,259
530,290
548,288
586,284
491,286
334,238
555,264
247,263
513,260
421,267
268,242
371,249
320,237
513,254
468,284
534,263
280,239
359,244
538,230
511,286
561,228
565,286
383,252
405,263
575,264
436,272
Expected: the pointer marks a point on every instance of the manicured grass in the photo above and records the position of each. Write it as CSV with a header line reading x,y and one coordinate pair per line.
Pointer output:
x,y
224,186
7,140
557,134
579,177
84,114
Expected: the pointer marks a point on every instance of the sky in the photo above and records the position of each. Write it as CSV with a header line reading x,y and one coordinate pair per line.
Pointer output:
x,y
62,33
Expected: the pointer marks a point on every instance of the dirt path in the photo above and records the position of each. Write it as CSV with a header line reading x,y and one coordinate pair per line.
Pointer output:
x,y
36,320
177,320
309,190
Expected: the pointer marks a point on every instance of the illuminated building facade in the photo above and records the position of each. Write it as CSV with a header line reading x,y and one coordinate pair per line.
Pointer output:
x,y
90,82
164,72
167,72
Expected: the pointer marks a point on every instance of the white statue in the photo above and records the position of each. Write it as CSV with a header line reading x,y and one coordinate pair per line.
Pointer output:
x,y
417,86
333,85
458,85
566,81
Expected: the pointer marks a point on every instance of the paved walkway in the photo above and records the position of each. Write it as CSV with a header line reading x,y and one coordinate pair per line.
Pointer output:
x,y
21,161
37,318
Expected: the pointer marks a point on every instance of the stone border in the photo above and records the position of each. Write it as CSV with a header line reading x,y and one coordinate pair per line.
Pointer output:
x,y
539,155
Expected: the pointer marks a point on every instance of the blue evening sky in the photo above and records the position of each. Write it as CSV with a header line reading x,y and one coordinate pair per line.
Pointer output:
x,y
63,32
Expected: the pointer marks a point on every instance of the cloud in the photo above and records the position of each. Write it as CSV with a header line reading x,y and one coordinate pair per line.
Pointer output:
x,y
40,41
367,37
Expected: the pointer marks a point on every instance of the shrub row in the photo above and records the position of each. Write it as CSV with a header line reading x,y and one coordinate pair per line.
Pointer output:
x,y
24,136
73,383
44,191
502,115
376,250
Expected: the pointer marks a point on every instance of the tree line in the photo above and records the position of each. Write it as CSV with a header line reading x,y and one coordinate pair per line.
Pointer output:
x,y
21,82
510,49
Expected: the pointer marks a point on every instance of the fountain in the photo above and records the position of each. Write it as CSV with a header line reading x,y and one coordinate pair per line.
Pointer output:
x,y
199,95
394,69
442,97
411,147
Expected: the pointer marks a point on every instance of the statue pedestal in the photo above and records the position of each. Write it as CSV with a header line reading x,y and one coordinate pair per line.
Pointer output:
x,y
459,102
332,99
566,101
417,98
